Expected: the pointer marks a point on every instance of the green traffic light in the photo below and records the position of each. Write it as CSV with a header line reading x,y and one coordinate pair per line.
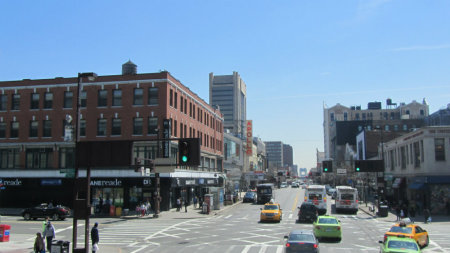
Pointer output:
x,y
357,169
326,169
184,158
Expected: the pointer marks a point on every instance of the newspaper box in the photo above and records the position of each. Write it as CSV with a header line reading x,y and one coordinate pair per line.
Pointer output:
x,y
4,232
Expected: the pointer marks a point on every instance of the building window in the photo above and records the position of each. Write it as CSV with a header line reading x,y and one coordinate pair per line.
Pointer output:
x,y
403,157
152,125
47,129
395,128
3,102
181,104
405,127
138,126
82,127
138,97
67,158
39,158
190,109
416,155
9,158
14,131
391,156
181,130
407,112
363,116
117,98
153,96
83,99
332,116
171,98
185,106
176,100
422,112
175,127
345,116
48,100
357,116
15,104
2,130
34,128
34,101
386,128
101,127
116,128
102,98
68,99
439,149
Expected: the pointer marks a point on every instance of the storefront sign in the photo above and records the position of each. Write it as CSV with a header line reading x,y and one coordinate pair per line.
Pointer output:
x,y
249,146
115,182
51,181
147,182
210,181
190,181
11,182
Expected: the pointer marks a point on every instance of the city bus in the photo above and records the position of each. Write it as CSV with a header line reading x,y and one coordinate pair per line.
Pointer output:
x,y
264,193
346,199
317,195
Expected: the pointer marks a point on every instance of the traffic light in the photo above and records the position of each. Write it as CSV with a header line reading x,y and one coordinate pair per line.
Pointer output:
x,y
369,166
327,166
189,152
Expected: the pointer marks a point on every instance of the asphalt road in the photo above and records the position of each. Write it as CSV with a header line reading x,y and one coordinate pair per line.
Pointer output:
x,y
236,229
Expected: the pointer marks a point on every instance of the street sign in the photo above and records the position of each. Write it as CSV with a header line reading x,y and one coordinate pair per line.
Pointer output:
x,y
341,171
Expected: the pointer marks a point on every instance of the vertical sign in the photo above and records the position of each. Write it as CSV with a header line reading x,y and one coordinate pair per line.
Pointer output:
x,y
167,132
249,137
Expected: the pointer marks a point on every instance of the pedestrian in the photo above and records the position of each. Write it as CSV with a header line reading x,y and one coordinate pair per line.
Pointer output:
x,y
412,213
49,235
39,245
44,223
398,212
143,208
195,201
185,205
426,214
95,237
178,204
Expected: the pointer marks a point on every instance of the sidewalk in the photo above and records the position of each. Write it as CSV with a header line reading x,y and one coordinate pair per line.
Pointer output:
x,y
23,243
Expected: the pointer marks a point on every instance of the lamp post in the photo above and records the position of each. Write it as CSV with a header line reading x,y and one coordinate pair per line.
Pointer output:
x,y
91,76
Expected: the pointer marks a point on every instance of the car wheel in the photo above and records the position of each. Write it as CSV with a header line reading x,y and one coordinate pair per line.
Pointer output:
x,y
55,216
27,216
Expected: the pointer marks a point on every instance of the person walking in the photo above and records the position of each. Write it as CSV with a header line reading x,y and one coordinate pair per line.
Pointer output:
x,y
49,235
39,245
412,213
44,223
95,237
426,214
398,212
195,202
185,205
178,204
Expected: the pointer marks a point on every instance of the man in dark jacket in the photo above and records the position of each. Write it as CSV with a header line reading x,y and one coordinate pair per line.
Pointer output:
x,y
94,236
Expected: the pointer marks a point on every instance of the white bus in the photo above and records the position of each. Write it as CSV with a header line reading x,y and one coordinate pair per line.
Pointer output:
x,y
346,199
317,195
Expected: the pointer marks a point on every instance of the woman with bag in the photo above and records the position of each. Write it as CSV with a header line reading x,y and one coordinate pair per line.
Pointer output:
x,y
39,245
95,238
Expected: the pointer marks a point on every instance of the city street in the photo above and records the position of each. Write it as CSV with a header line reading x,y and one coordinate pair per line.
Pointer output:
x,y
235,229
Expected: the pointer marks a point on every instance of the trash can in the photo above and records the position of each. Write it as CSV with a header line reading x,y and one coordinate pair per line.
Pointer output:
x,y
383,211
60,246
125,211
4,232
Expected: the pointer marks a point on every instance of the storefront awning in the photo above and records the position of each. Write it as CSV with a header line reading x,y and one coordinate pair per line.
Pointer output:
x,y
416,186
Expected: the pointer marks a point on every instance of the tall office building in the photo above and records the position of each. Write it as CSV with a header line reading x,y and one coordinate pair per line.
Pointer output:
x,y
288,155
274,151
229,93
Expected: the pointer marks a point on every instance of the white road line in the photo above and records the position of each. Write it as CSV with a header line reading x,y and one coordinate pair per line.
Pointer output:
x,y
290,216
280,248
246,249
263,249
228,216
141,248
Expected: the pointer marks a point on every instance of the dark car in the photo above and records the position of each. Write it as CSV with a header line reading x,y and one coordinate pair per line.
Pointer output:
x,y
249,197
307,212
44,210
301,241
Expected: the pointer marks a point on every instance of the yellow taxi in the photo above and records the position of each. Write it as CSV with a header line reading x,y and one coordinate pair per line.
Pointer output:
x,y
409,230
271,212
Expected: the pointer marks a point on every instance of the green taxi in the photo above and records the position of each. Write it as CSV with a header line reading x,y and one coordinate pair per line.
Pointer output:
x,y
327,227
399,243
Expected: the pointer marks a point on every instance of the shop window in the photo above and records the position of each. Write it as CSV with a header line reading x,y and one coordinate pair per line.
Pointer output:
x,y
9,158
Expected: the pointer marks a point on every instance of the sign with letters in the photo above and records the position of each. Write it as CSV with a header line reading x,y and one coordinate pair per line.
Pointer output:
x,y
249,146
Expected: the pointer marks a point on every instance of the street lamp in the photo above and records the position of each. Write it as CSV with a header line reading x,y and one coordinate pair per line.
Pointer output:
x,y
90,76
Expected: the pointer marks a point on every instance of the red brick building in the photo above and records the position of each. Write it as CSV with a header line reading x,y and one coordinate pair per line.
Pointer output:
x,y
37,143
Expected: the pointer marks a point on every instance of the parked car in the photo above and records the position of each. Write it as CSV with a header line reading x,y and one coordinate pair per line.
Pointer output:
x,y
44,210
249,197
301,241
307,212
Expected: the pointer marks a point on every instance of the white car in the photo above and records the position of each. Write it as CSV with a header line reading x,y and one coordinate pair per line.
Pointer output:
x,y
284,185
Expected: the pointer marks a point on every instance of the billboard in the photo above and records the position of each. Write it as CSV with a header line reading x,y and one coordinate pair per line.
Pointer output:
x,y
249,146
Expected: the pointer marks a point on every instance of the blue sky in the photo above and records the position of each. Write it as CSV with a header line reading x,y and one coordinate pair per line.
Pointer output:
x,y
295,56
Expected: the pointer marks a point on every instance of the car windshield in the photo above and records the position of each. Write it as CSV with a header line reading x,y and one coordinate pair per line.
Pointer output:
x,y
270,207
249,194
301,237
405,230
402,245
328,221
308,207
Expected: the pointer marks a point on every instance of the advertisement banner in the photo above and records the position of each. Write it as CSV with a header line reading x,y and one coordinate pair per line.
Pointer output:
x,y
249,146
